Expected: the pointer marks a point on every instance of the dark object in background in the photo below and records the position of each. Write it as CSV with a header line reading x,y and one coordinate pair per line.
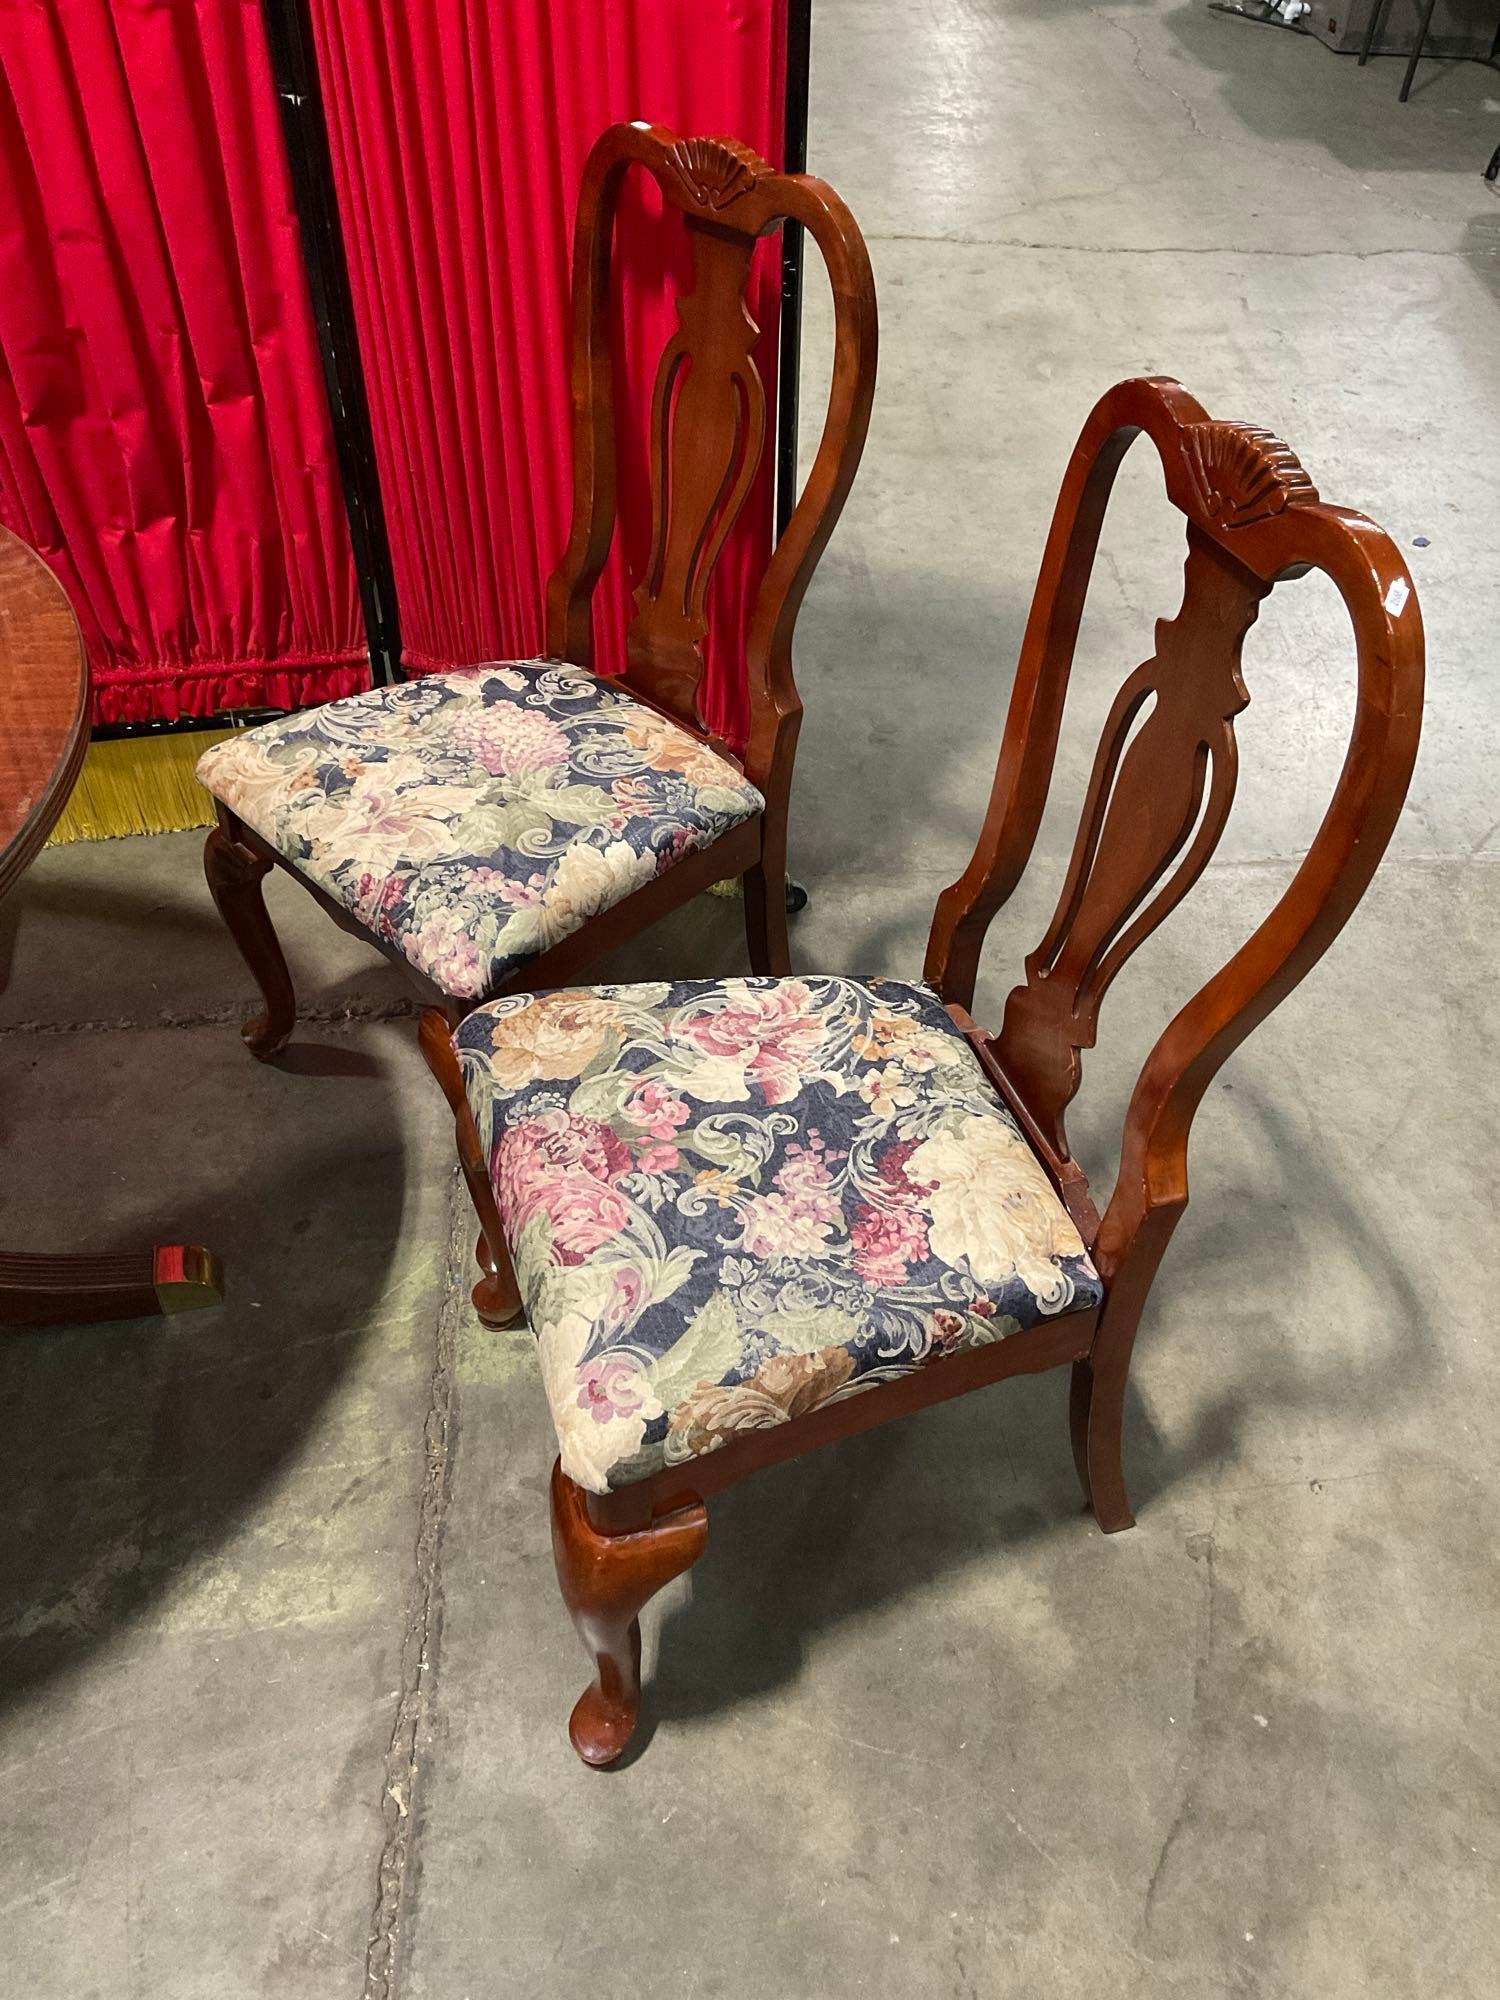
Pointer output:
x,y
1456,27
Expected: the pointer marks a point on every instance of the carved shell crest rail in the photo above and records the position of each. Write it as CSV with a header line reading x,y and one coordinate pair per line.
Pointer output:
x,y
1241,474
714,173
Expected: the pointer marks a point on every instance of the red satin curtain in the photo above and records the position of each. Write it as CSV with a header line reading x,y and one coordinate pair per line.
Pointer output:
x,y
164,432
459,129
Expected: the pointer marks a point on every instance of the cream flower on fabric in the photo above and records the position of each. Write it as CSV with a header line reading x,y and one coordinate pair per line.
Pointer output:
x,y
600,1408
588,879
557,1035
245,773
761,1037
993,1208
667,748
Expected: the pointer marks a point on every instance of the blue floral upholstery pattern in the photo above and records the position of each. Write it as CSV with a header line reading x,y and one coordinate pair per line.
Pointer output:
x,y
473,819
729,1202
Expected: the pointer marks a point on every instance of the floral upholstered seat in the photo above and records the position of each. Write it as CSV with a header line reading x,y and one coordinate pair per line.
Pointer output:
x,y
473,819
729,1202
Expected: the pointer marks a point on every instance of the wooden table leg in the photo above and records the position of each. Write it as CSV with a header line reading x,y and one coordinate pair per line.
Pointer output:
x,y
77,1290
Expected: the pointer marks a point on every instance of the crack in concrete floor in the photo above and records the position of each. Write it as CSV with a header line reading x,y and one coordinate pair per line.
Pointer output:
x,y
411,1731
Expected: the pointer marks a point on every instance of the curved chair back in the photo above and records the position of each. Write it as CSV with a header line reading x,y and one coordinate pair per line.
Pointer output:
x,y
708,424
1163,782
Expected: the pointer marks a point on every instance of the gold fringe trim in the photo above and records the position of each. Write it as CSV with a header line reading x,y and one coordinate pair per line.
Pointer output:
x,y
139,784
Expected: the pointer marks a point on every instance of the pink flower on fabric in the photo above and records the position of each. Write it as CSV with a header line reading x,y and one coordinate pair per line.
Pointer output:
x,y
798,1219
659,1160
946,1328
776,1227
887,1241
504,739
632,796
805,1179
528,892
565,1168
446,951
892,1169
773,1034
651,1104
608,1387
679,842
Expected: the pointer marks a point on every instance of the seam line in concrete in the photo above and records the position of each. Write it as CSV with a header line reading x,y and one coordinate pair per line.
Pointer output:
x,y
411,1732
1168,249
355,1016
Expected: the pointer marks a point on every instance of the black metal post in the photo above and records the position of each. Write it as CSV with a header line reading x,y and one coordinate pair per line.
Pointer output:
x,y
789,363
798,56
1372,29
294,64
1416,53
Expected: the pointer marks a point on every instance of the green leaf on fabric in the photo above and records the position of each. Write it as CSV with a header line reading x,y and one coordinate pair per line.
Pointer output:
x,y
490,826
581,805
708,1349
727,799
552,1289
813,1328
602,1091
721,1148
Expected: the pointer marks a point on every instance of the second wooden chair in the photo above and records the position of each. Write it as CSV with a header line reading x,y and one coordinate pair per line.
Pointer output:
x,y
496,828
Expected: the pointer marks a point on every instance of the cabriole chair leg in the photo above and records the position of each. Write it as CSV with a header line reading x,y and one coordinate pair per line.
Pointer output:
x,y
497,1297
235,876
606,1580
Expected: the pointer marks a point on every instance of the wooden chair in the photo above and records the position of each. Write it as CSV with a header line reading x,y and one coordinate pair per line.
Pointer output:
x,y
751,1217
497,828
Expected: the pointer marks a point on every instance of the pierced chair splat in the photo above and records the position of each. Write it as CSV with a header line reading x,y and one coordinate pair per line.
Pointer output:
x,y
747,1218
497,827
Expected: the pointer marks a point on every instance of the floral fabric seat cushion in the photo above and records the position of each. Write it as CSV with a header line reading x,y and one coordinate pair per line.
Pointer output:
x,y
473,819
730,1202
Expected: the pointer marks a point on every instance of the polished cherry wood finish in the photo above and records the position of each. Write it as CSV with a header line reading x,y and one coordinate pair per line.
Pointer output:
x,y
236,865
606,1579
1253,519
44,688
497,1300
708,434
44,734
1162,785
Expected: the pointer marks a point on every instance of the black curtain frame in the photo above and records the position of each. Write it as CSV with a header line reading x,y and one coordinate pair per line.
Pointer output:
x,y
294,68
789,367
294,65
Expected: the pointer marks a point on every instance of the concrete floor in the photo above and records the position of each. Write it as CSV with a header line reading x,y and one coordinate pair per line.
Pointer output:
x,y
285,1673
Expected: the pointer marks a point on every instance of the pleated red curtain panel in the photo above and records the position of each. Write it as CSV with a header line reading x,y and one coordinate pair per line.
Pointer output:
x,y
164,432
459,129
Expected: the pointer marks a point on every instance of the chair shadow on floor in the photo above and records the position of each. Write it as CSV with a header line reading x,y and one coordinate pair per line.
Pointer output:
x,y
135,1450
839,1535
141,935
